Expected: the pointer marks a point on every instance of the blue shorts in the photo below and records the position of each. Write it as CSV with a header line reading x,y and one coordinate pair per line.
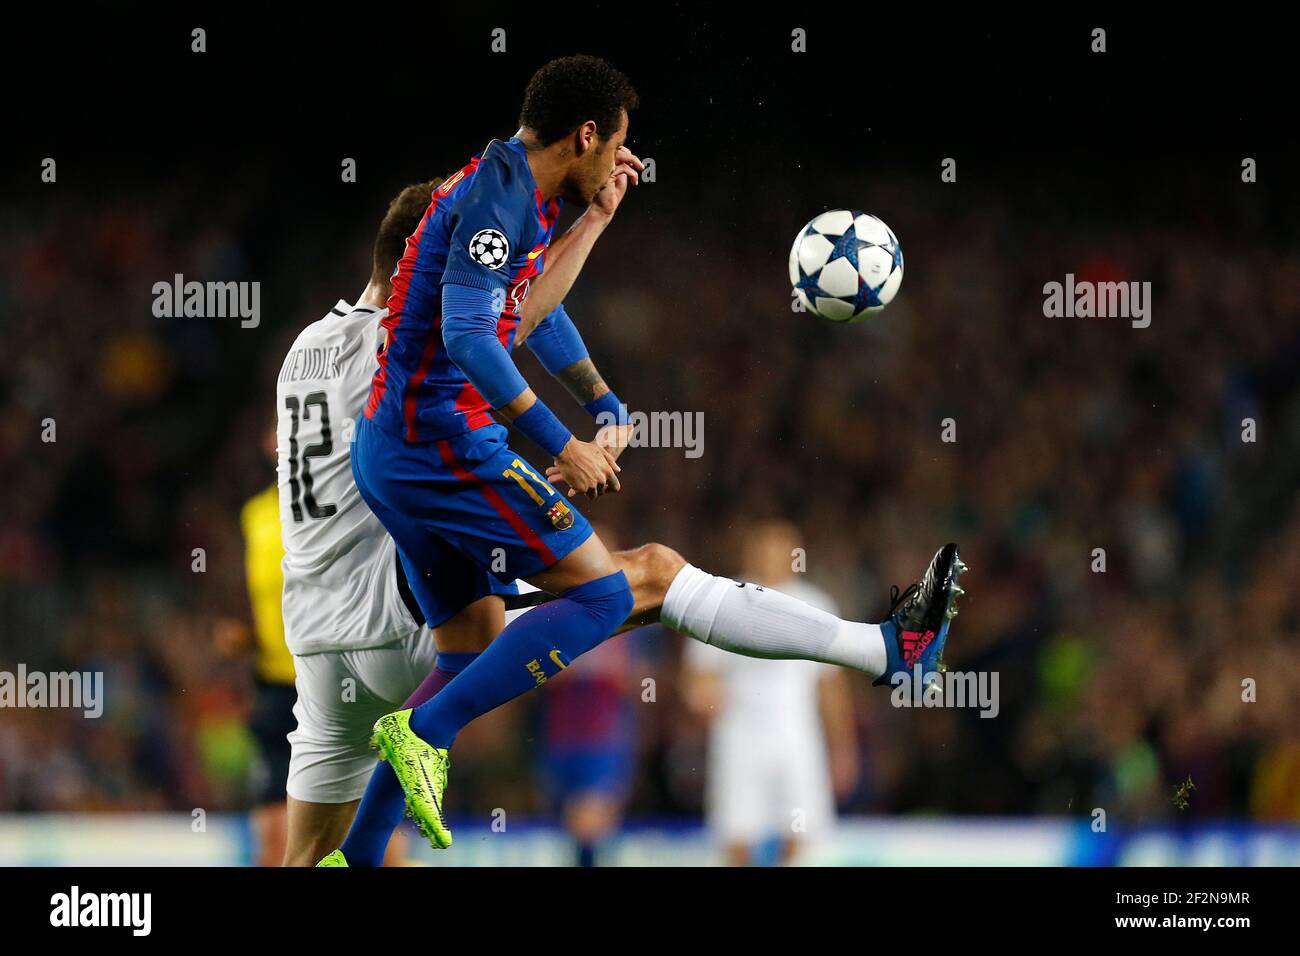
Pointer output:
x,y
469,515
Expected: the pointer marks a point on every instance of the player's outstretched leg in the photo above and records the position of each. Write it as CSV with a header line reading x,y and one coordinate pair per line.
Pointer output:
x,y
761,622
758,621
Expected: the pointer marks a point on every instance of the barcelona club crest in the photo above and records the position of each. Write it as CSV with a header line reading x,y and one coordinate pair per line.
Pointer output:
x,y
561,516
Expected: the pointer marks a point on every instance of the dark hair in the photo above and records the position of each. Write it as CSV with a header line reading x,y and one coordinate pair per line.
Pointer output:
x,y
567,92
402,219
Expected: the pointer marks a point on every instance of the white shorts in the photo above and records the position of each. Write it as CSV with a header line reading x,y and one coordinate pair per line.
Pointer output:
x,y
767,790
340,696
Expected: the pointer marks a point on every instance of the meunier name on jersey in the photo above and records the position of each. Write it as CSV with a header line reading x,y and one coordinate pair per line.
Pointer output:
x,y
310,364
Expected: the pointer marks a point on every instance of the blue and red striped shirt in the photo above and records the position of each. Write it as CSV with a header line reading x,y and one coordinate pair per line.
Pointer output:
x,y
487,227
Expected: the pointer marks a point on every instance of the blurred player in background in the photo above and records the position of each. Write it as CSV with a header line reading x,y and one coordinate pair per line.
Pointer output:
x,y
782,738
588,743
272,717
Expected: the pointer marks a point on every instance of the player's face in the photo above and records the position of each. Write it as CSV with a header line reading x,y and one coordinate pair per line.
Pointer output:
x,y
596,166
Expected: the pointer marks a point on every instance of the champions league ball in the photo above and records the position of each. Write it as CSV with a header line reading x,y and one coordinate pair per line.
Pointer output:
x,y
846,265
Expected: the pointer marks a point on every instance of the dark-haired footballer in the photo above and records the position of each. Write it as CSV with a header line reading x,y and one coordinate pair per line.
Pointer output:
x,y
470,515
432,461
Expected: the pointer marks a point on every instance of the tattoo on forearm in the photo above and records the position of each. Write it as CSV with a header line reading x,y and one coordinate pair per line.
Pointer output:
x,y
583,381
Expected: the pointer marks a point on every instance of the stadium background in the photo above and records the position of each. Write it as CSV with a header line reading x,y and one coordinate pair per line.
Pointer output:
x,y
1072,434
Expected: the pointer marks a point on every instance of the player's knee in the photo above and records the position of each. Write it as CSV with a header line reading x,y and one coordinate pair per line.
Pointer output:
x,y
664,563
620,602
608,601
650,570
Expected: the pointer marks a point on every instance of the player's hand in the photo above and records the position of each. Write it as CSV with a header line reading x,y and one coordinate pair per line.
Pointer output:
x,y
587,468
627,170
615,438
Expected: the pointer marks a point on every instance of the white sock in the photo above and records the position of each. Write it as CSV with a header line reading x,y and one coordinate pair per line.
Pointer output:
x,y
760,622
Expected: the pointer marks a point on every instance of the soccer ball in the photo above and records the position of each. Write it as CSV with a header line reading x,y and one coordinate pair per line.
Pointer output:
x,y
846,265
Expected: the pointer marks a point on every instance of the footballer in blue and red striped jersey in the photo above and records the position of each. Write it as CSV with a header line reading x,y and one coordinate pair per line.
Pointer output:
x,y
487,227
429,458
470,516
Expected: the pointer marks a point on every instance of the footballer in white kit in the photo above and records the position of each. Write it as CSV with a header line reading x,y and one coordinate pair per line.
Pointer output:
x,y
356,634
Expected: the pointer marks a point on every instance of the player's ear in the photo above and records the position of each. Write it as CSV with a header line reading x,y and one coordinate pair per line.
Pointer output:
x,y
585,136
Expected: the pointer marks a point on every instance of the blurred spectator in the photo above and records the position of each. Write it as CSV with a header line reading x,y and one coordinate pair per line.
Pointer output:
x,y
781,733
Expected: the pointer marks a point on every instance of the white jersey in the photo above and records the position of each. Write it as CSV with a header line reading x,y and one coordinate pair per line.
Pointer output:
x,y
340,571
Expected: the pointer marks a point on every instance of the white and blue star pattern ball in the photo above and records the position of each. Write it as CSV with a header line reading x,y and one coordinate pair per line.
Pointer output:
x,y
489,248
846,265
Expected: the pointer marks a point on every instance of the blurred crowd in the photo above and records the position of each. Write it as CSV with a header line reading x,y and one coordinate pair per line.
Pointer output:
x,y
1133,558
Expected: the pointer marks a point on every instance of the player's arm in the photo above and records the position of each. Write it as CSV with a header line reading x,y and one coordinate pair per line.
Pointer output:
x,y
469,323
473,290
558,345
565,258
566,255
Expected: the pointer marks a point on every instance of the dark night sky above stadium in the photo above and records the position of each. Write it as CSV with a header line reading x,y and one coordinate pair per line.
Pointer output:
x,y
719,88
